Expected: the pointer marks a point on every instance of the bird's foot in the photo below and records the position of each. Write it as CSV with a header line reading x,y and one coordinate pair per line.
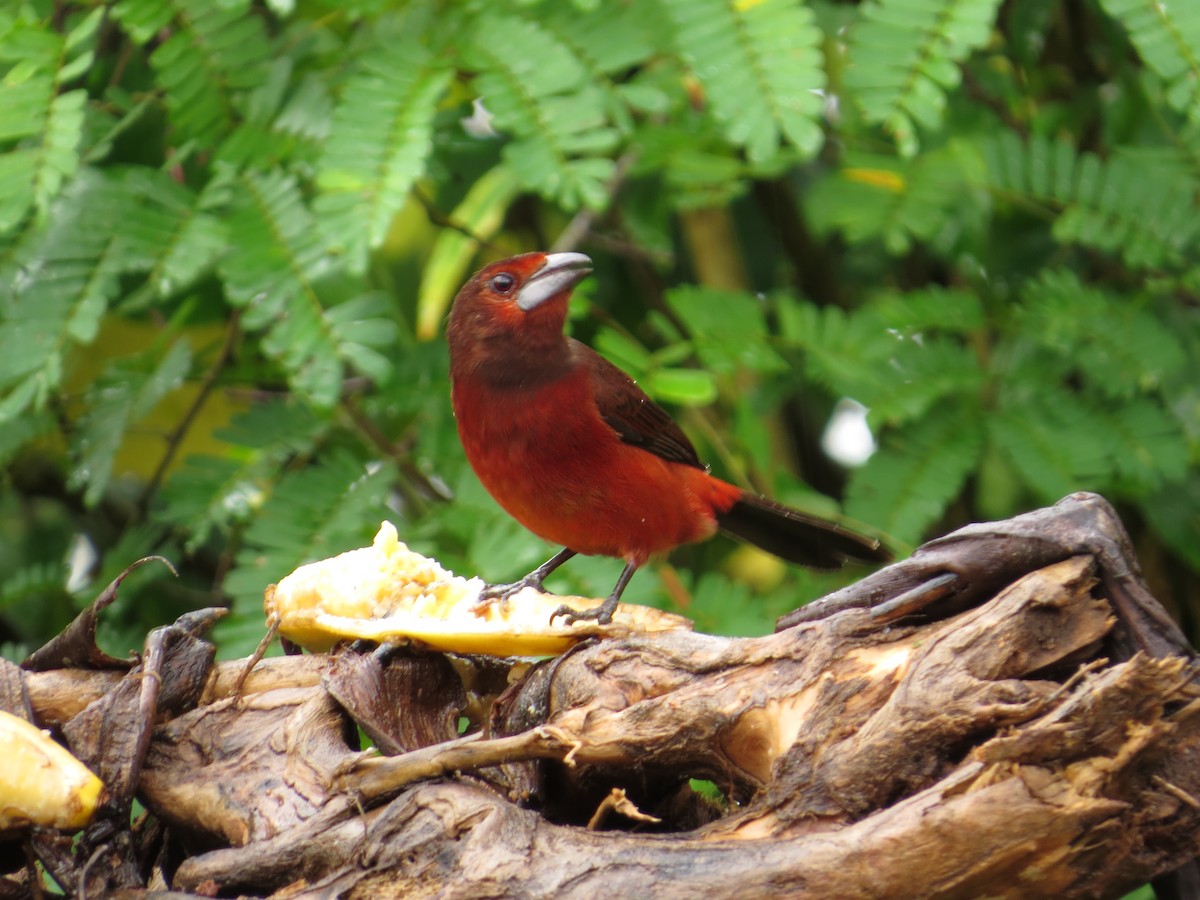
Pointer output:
x,y
500,593
602,614
504,591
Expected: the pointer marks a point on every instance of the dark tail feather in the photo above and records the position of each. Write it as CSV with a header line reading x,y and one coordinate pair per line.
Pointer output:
x,y
795,536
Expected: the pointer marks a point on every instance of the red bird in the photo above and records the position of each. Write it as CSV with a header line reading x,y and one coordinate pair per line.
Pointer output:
x,y
574,450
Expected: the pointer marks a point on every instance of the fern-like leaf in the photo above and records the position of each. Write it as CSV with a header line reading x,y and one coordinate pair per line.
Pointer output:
x,y
312,514
24,111
916,472
40,127
19,433
727,328
381,139
1052,440
562,136
1175,514
900,202
761,68
212,494
1145,214
608,39
272,271
611,40
1119,346
842,350
1147,445
196,241
930,309
35,579
217,49
899,368
1167,36
56,287
283,123
904,56
129,390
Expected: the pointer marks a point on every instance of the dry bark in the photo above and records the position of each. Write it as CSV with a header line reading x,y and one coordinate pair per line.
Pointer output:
x,y
1008,713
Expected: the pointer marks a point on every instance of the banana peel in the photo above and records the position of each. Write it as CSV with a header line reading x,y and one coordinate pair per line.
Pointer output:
x,y
387,592
41,783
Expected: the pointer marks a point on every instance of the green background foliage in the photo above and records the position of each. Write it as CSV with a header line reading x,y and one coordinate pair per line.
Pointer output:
x,y
230,232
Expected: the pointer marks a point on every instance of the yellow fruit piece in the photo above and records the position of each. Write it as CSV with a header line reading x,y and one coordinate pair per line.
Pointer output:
x,y
41,783
386,592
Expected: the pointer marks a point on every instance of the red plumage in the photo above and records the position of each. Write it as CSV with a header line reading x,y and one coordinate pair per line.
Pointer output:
x,y
576,452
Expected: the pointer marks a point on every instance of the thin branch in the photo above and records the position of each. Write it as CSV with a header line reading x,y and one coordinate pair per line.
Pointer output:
x,y
375,777
175,439
398,451
579,227
440,219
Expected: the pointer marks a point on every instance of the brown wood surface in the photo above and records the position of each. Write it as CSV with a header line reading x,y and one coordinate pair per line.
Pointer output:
x,y
1007,714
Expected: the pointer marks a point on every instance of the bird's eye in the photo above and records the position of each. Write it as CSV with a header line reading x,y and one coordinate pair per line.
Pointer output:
x,y
503,283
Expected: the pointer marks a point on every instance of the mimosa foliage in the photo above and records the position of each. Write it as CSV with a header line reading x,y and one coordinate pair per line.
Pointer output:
x,y
228,230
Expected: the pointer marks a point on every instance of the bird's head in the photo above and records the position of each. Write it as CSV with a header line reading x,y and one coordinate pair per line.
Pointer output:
x,y
513,307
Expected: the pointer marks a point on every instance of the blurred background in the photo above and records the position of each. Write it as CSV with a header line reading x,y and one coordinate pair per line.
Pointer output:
x,y
910,263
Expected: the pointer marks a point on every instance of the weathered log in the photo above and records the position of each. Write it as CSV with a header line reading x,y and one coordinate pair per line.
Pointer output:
x,y
1009,713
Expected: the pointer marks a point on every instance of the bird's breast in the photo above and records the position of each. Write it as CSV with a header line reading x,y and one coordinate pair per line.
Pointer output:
x,y
551,461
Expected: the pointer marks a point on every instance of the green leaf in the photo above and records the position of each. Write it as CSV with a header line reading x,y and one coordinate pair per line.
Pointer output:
x,y
56,288
1175,514
1147,446
842,351
198,240
1119,344
1053,442
215,50
380,142
60,147
313,513
1167,36
623,350
24,107
561,131
1143,213
129,389
931,309
284,276
687,387
728,329
362,329
917,472
904,56
761,68
211,494
899,355
22,431
48,129
18,175
900,202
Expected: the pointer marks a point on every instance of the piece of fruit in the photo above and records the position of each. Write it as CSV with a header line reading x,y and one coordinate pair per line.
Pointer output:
x,y
387,592
41,783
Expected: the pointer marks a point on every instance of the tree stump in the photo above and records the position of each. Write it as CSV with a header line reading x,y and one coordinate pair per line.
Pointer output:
x,y
1008,713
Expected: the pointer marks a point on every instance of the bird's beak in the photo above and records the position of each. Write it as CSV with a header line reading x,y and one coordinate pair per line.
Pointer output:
x,y
560,272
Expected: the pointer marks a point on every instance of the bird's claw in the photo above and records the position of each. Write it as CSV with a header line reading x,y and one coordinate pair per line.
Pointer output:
x,y
602,614
504,591
500,593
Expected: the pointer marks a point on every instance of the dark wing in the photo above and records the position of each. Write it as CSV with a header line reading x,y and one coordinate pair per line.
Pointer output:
x,y
626,409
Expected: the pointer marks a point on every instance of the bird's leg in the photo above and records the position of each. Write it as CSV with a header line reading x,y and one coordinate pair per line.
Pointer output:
x,y
603,613
534,579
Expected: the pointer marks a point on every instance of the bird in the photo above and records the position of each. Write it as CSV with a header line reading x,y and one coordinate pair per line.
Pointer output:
x,y
569,445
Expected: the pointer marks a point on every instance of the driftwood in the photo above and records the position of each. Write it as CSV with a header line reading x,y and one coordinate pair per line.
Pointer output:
x,y
1008,713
